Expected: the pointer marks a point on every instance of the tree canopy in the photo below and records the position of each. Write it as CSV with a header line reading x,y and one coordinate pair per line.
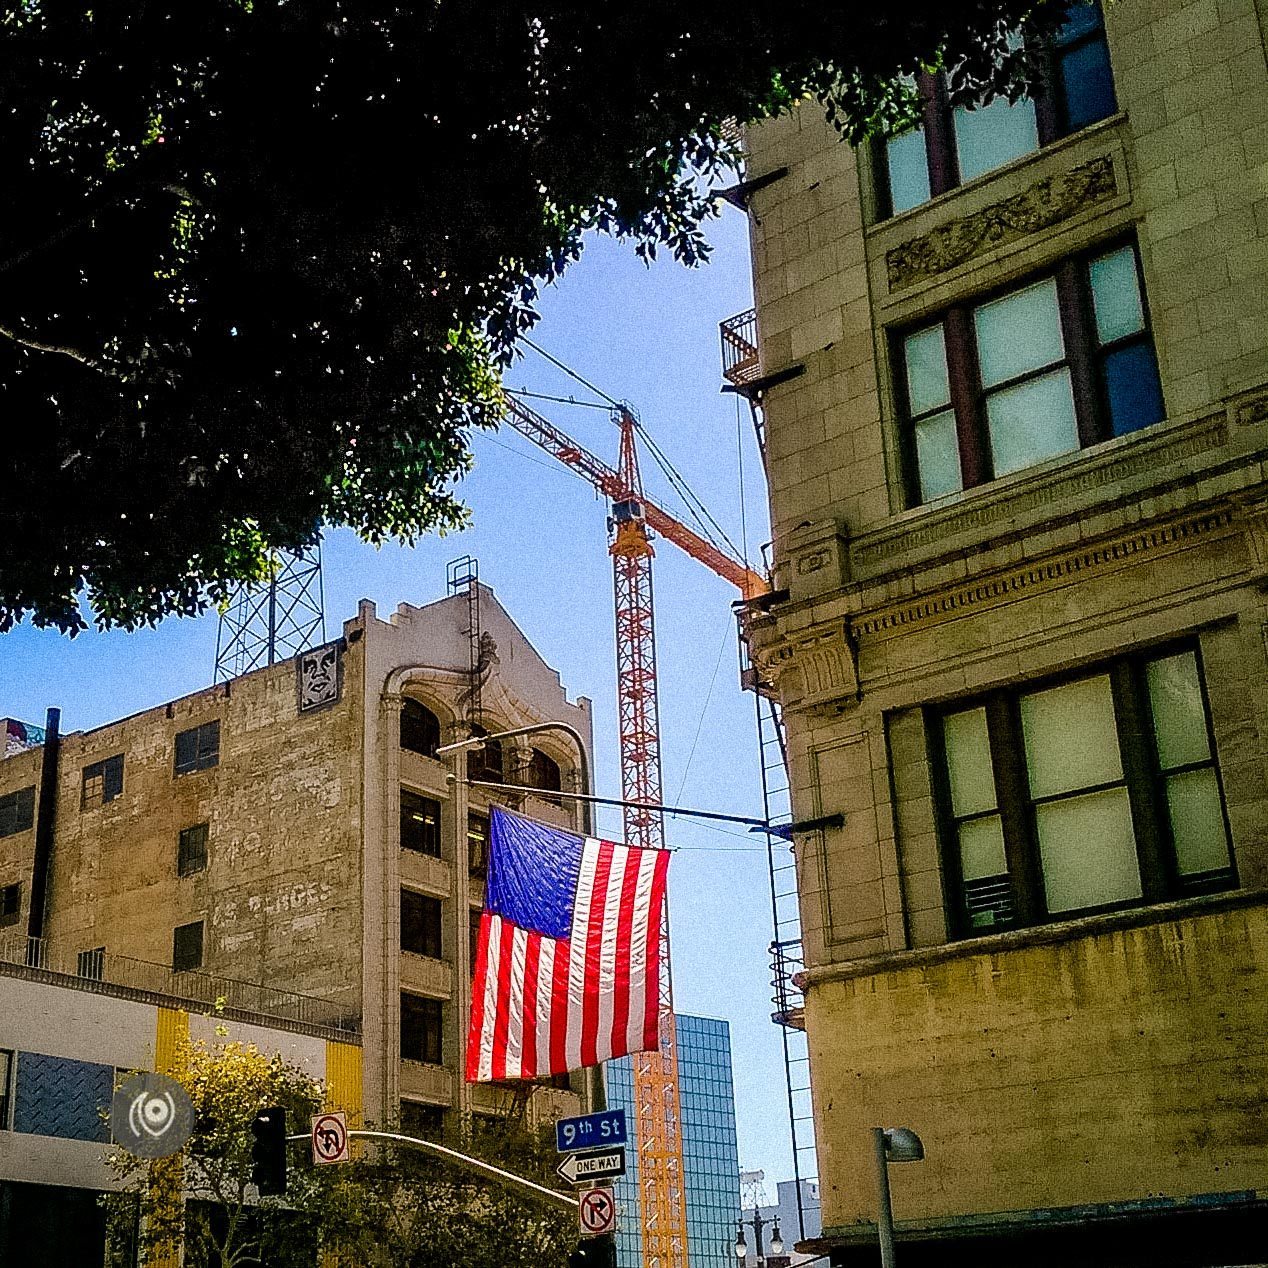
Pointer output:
x,y
388,1207
263,261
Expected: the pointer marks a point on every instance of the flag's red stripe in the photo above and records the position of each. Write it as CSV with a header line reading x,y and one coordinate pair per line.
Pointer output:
x,y
528,1046
559,1008
477,999
651,1019
624,951
505,970
594,953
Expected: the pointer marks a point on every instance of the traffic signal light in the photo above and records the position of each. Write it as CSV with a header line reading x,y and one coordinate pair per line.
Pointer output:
x,y
594,1252
268,1151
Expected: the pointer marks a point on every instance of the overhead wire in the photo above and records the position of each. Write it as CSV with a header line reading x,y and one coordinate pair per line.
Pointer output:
x,y
528,457
739,462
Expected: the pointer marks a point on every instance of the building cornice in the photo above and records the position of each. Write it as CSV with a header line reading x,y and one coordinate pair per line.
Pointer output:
x,y
1002,586
1034,936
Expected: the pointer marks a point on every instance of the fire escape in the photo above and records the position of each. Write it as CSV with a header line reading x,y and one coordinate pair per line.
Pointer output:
x,y
742,369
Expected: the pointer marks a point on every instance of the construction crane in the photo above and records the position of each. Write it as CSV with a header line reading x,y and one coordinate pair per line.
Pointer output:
x,y
633,522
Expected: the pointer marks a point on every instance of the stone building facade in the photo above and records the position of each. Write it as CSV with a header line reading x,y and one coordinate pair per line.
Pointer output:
x,y
292,830
1013,380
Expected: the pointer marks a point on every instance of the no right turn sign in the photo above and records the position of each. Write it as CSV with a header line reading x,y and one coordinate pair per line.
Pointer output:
x,y
596,1212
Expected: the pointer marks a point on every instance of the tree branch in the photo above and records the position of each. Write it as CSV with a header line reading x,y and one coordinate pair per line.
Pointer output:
x,y
37,346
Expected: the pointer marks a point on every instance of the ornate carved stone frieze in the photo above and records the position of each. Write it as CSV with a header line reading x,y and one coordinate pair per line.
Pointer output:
x,y
949,602
1255,521
1045,203
813,670
1251,408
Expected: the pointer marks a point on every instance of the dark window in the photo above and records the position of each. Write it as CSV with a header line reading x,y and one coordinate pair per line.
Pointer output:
x,y
420,728
473,935
10,904
191,850
1089,793
420,823
487,763
1083,80
187,947
420,1029
17,811
103,782
426,1122
1061,363
6,1087
478,845
198,748
420,924
543,773
954,144
92,964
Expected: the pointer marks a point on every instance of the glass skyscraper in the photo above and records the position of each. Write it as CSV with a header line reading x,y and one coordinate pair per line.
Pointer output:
x,y
711,1167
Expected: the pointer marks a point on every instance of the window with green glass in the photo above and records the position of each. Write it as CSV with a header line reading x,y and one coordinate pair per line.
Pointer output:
x,y
1061,363
955,143
1089,793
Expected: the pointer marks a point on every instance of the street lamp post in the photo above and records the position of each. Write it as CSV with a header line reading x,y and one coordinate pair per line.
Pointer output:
x,y
890,1144
757,1224
536,728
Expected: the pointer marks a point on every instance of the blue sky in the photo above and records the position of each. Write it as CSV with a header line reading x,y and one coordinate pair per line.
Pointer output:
x,y
649,336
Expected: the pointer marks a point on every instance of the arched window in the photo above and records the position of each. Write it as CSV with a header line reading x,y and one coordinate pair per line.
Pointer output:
x,y
543,772
420,728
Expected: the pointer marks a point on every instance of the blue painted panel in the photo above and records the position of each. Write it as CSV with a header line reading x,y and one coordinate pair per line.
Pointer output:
x,y
57,1097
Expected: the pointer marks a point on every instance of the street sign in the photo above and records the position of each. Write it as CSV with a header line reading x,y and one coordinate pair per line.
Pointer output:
x,y
330,1138
603,1164
591,1131
596,1212
151,1116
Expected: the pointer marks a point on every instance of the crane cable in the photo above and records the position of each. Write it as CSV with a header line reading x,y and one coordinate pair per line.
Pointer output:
x,y
679,485
688,497
559,400
571,373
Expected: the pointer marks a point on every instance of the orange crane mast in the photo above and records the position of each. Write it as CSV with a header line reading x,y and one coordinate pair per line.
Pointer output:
x,y
633,521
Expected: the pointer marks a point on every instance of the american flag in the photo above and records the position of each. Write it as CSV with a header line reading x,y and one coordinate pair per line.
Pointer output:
x,y
567,970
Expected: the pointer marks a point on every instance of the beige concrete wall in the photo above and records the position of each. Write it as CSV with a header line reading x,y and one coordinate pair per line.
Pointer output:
x,y
280,896
1098,1069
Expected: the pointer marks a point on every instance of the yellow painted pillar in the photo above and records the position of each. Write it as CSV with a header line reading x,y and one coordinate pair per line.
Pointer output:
x,y
171,1035
343,1080
343,1092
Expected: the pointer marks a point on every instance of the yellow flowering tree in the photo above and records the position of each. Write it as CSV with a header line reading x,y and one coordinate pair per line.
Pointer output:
x,y
203,1197
391,1207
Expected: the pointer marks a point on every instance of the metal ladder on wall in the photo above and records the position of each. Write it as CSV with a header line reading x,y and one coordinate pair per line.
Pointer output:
x,y
787,958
